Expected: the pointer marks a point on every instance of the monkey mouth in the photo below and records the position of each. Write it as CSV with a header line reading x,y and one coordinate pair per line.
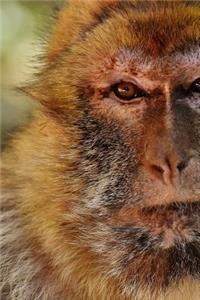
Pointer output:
x,y
164,226
177,223
163,233
159,242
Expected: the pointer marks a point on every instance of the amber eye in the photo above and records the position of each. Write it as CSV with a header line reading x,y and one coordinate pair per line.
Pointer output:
x,y
127,91
195,87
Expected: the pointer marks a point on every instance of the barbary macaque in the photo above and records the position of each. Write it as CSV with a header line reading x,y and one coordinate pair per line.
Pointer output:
x,y
101,190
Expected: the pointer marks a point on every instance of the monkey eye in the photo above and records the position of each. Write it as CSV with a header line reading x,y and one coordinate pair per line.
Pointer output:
x,y
127,91
195,87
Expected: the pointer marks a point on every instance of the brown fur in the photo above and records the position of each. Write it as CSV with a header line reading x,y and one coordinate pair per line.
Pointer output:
x,y
85,216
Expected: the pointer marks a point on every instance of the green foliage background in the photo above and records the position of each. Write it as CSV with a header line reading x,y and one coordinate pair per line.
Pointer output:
x,y
24,25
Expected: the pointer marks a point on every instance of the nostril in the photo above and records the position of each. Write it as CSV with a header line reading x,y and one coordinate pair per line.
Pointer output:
x,y
182,165
157,169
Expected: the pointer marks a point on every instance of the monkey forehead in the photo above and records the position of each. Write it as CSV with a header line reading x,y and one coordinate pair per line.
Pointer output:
x,y
132,64
159,29
164,37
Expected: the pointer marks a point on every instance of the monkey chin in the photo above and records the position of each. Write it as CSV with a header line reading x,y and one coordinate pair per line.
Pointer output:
x,y
161,246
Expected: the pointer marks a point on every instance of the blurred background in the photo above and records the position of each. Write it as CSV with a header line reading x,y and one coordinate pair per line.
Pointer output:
x,y
23,26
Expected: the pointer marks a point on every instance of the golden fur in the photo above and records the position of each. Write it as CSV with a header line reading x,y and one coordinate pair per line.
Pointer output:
x,y
49,248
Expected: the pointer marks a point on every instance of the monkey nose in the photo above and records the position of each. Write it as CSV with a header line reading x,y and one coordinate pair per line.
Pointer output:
x,y
167,169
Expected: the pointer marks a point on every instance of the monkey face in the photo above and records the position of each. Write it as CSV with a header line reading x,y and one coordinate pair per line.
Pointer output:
x,y
141,160
130,85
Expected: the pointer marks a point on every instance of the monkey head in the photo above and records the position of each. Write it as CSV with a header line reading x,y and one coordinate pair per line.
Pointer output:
x,y
122,78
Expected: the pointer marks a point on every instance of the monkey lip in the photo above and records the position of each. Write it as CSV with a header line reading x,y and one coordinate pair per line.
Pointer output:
x,y
176,223
169,225
160,214
176,206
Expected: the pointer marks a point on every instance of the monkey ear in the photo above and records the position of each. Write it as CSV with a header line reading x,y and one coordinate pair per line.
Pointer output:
x,y
38,90
72,20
